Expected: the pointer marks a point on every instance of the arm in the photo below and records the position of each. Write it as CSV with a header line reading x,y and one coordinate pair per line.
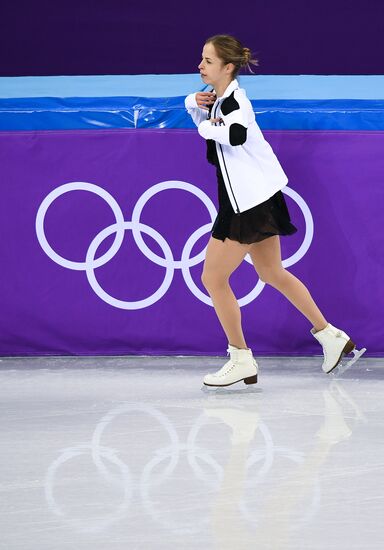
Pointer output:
x,y
234,128
198,115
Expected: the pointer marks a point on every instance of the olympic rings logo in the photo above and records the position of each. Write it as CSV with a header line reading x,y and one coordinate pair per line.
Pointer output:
x,y
137,227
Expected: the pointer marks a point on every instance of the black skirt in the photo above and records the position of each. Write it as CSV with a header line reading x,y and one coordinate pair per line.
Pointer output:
x,y
256,224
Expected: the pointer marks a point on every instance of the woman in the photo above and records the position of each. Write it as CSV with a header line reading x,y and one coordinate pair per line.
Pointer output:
x,y
252,210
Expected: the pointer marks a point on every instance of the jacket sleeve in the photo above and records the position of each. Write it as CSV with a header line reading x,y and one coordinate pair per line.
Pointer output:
x,y
198,115
232,130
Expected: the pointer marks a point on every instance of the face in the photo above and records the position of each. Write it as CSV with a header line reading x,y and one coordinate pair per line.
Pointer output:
x,y
212,69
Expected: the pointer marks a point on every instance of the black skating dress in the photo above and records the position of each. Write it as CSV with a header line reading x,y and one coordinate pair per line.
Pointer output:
x,y
256,224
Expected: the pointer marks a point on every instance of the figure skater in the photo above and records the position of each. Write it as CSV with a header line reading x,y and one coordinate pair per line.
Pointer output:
x,y
252,211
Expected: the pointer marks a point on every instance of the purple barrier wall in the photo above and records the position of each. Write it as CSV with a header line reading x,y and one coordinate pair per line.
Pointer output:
x,y
74,280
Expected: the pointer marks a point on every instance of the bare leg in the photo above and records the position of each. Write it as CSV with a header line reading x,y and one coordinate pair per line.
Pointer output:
x,y
266,257
221,260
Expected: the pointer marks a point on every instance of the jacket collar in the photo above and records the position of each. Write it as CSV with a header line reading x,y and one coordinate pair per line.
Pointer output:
x,y
231,86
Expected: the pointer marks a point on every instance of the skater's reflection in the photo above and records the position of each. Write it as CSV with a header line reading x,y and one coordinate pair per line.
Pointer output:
x,y
258,500
287,500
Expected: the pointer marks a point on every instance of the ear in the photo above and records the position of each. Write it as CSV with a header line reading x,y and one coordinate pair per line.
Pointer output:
x,y
230,67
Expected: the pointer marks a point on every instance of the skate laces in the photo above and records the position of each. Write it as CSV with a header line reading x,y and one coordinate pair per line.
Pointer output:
x,y
225,369
230,365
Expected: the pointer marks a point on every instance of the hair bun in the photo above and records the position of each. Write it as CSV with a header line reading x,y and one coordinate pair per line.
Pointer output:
x,y
246,54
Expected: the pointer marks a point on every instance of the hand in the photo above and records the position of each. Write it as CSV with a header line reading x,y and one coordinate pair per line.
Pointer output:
x,y
213,120
205,98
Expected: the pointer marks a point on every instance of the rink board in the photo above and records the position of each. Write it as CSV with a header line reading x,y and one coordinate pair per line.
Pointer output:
x,y
77,278
49,308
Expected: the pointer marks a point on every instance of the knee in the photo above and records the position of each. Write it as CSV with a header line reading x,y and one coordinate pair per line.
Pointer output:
x,y
271,276
211,280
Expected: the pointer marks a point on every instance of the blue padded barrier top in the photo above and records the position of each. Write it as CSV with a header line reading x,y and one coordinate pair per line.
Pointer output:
x,y
291,102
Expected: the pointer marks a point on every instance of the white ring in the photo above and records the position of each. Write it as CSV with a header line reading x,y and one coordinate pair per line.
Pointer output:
x,y
171,184
122,304
308,237
79,186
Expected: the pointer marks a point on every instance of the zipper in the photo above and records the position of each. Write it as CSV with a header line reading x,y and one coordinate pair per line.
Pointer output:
x,y
226,171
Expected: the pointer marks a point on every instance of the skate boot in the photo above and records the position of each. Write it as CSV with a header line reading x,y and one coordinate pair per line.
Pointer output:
x,y
241,366
335,344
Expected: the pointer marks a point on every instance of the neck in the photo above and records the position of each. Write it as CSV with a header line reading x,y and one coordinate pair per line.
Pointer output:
x,y
220,87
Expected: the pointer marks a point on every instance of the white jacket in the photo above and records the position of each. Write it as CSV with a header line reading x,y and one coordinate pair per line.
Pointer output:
x,y
250,169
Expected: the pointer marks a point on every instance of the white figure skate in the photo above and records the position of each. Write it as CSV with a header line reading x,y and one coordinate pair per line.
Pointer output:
x,y
241,366
335,344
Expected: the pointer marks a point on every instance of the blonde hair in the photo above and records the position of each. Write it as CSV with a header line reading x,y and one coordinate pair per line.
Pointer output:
x,y
231,50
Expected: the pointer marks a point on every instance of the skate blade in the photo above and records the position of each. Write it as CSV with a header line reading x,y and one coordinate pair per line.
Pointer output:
x,y
215,389
231,389
343,367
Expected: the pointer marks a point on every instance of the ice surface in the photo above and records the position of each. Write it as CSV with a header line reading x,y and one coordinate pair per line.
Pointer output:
x,y
128,453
